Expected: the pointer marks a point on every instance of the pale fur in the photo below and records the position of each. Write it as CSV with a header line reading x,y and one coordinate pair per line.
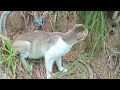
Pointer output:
x,y
54,54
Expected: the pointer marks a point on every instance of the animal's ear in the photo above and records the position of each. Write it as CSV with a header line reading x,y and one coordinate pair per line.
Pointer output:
x,y
79,28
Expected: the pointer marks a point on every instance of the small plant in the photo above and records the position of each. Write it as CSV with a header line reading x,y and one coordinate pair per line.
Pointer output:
x,y
8,59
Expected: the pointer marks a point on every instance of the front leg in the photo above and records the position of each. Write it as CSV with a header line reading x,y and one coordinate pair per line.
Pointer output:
x,y
48,65
59,64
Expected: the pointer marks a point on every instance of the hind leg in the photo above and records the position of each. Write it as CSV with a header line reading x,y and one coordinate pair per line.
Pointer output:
x,y
24,48
26,65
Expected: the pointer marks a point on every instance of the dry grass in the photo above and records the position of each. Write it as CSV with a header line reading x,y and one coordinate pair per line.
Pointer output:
x,y
21,21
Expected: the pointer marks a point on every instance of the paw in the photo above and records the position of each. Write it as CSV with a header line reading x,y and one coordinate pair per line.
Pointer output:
x,y
49,76
63,69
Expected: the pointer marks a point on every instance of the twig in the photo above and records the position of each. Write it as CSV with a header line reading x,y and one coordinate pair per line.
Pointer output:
x,y
116,52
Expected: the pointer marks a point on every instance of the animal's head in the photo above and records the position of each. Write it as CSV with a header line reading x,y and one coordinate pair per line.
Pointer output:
x,y
81,31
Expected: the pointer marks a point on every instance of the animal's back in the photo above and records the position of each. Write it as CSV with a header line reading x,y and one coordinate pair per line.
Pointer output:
x,y
30,36
42,35
42,46
40,41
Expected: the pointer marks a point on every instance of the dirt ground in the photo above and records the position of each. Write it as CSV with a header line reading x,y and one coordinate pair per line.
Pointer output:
x,y
106,66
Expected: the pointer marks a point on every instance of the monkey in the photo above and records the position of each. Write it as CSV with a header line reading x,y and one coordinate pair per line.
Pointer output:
x,y
48,45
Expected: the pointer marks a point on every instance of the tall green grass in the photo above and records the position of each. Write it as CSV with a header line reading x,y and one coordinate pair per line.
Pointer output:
x,y
96,21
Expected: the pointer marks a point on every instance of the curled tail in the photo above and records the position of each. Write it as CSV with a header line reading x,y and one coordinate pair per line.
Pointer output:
x,y
3,22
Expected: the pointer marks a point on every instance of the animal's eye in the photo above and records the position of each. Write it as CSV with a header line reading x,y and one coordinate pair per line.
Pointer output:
x,y
111,32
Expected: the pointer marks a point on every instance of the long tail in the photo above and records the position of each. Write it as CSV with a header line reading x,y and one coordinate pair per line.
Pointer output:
x,y
3,22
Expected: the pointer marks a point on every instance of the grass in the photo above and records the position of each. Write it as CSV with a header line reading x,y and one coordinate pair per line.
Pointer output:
x,y
95,20
70,65
9,62
7,57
